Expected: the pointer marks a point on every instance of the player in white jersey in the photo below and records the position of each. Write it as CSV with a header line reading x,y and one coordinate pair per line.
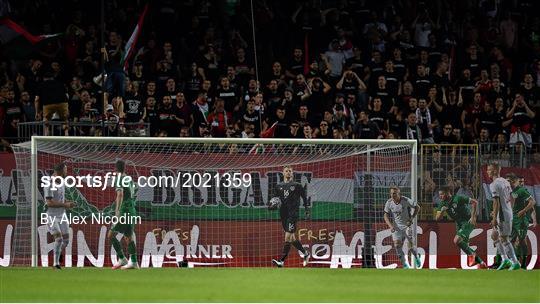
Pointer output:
x,y
400,208
56,208
501,191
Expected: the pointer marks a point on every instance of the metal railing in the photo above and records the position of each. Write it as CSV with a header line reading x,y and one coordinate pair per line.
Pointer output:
x,y
445,165
510,155
105,128
462,168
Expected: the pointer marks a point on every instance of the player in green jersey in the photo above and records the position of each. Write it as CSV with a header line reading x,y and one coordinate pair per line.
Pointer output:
x,y
462,210
523,204
126,193
532,214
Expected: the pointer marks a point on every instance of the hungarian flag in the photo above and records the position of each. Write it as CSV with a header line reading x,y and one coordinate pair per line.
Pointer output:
x,y
132,42
270,131
17,43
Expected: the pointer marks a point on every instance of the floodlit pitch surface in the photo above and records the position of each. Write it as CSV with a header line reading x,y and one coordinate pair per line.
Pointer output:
x,y
267,285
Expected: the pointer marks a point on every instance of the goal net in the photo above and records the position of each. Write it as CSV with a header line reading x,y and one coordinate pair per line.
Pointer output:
x,y
204,202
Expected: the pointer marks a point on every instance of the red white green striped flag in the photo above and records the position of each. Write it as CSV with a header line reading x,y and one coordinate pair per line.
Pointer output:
x,y
17,42
132,42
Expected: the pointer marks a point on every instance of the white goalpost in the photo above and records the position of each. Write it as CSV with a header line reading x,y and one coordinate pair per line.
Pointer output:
x,y
204,201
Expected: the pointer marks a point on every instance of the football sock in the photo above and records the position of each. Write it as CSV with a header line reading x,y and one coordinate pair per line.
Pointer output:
x,y
510,251
414,251
132,251
501,250
299,246
286,248
465,247
65,242
498,259
518,250
524,251
118,248
400,254
57,250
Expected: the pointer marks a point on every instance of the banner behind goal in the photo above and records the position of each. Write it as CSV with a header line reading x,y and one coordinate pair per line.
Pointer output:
x,y
211,206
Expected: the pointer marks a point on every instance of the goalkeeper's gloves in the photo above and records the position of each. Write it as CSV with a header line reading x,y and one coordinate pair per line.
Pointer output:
x,y
275,203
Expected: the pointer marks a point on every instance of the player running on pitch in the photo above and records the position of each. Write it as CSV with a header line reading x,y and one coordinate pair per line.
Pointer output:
x,y
457,207
125,205
56,211
501,191
286,197
400,208
523,204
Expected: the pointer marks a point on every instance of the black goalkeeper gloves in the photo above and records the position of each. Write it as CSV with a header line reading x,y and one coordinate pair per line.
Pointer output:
x,y
307,213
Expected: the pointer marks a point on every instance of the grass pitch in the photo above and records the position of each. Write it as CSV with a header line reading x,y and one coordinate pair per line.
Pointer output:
x,y
266,285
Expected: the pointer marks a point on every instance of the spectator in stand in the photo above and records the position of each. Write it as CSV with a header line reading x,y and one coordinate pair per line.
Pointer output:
x,y
484,143
280,123
466,87
341,121
447,137
219,119
87,117
251,116
364,128
502,150
110,122
421,81
458,135
308,132
522,121
29,109
183,111
426,121
488,119
152,115
350,83
135,110
381,91
304,116
411,129
115,80
294,129
324,130
278,74
151,90
498,90
296,64
13,109
337,133
272,95
334,60
193,83
484,85
243,67
317,96
167,117
378,116
51,97
472,113
530,92
230,96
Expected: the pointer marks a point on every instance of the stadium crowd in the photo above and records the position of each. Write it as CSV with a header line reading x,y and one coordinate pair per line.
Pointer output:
x,y
436,71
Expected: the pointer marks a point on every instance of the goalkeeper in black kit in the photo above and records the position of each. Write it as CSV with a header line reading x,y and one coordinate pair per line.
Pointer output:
x,y
286,197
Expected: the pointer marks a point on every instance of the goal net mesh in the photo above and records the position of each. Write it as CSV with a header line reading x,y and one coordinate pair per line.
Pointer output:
x,y
213,210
